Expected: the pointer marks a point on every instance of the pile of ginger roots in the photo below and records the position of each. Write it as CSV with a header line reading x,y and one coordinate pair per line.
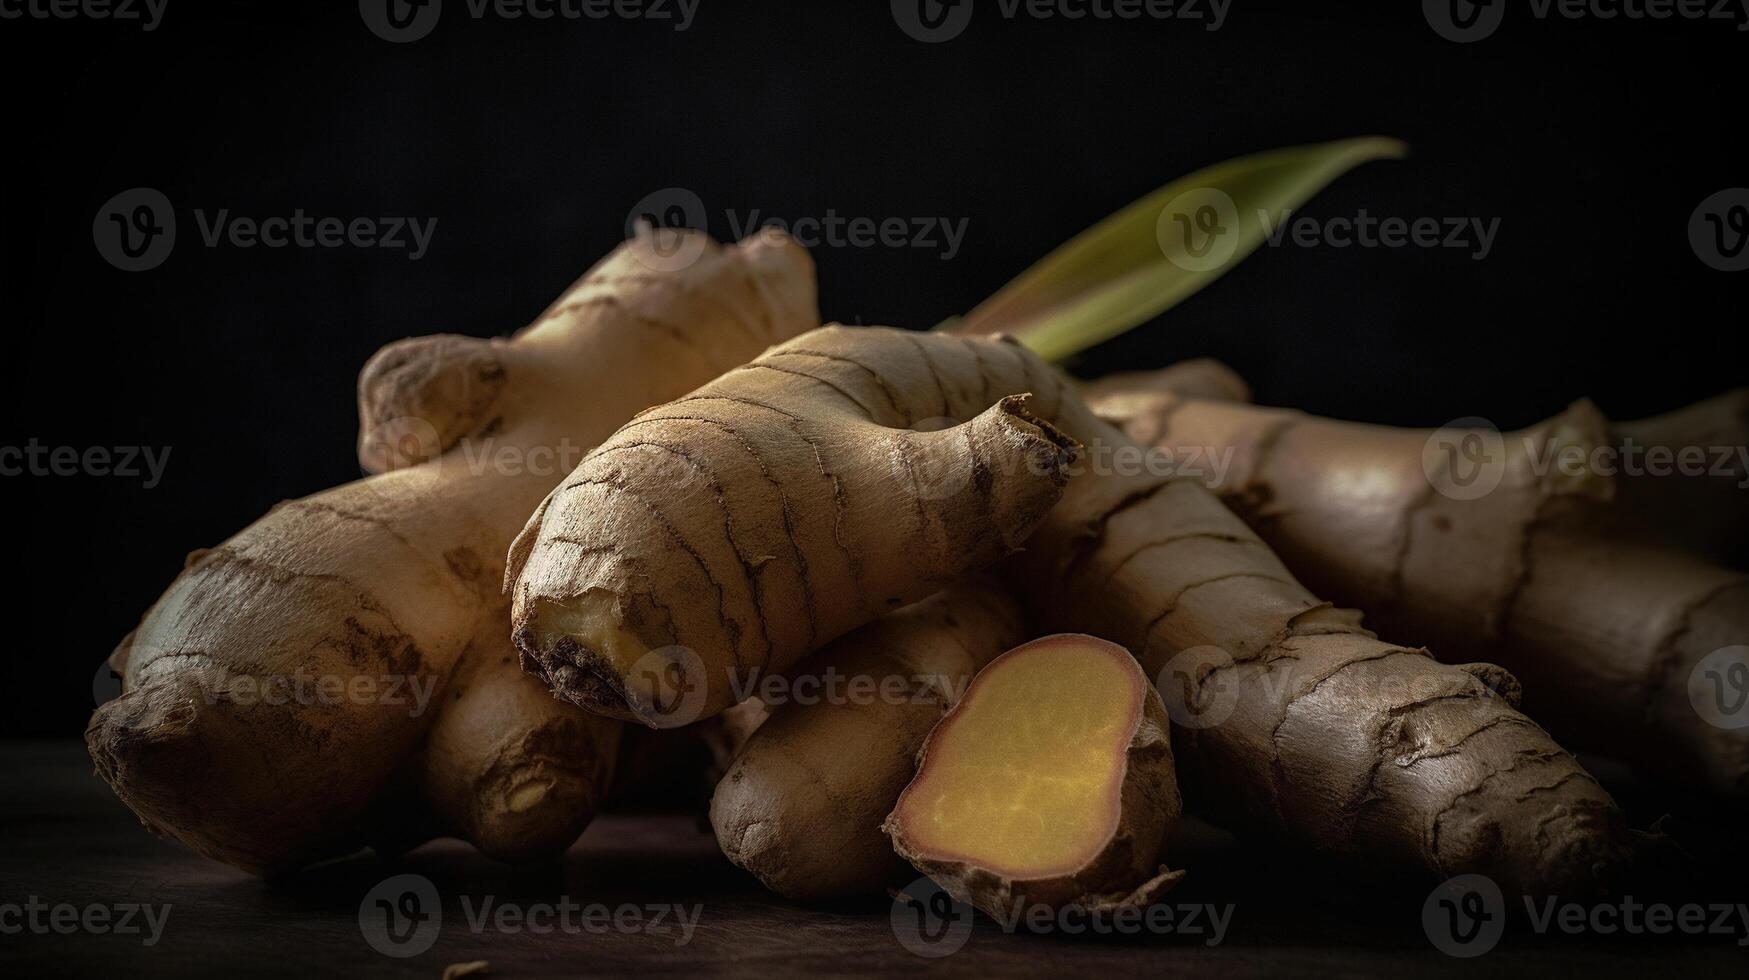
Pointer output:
x,y
1080,641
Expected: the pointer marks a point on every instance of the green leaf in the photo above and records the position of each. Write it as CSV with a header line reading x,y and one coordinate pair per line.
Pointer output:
x,y
1144,259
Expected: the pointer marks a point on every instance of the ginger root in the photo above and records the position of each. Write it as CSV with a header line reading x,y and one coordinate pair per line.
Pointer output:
x,y
1292,719
1204,378
1049,783
729,533
1556,572
229,737
1327,736
1705,514
801,803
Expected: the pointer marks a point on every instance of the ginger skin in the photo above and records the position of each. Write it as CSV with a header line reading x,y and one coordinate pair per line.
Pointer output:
x,y
393,581
731,532
1334,739
801,804
1292,719
1561,575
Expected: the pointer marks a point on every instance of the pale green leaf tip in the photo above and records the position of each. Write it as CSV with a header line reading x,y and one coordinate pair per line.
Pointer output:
x,y
1065,309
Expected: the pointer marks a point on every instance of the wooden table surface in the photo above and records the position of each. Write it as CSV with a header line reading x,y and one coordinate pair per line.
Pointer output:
x,y
68,842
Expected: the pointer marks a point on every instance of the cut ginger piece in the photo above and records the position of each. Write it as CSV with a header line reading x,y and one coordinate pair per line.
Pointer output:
x,y
1050,783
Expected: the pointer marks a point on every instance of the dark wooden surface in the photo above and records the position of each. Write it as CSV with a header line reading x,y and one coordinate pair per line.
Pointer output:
x,y
68,841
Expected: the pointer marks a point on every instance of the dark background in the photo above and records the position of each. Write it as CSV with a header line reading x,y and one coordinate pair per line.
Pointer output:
x,y
1593,142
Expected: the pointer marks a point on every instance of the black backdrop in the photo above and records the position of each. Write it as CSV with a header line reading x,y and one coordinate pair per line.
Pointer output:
x,y
1591,141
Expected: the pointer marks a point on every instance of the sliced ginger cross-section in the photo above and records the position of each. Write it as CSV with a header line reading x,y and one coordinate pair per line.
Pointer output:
x,y
1050,783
